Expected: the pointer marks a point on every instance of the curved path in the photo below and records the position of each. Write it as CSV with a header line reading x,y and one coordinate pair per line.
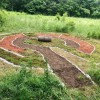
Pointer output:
x,y
80,45
7,43
68,72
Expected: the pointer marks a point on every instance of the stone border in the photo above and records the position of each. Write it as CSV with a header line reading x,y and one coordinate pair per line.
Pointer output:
x,y
9,63
72,54
17,54
11,41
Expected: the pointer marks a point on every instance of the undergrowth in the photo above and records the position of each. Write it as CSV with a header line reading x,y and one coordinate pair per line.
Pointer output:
x,y
27,85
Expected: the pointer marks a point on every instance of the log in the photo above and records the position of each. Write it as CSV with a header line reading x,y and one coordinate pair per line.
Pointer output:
x,y
44,39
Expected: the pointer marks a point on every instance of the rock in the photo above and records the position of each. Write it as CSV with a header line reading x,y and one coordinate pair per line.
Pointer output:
x,y
44,39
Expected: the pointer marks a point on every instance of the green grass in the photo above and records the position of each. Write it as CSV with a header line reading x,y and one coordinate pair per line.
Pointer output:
x,y
25,85
31,57
21,22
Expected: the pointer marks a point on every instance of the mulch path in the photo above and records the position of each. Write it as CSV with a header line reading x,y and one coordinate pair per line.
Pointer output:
x,y
7,43
63,68
80,45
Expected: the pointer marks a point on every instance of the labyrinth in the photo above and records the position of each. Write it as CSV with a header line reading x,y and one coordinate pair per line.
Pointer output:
x,y
55,55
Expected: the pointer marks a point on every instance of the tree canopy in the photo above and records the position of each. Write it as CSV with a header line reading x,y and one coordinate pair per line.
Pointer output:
x,y
77,8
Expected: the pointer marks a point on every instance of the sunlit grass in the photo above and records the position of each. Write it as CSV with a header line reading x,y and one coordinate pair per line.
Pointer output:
x,y
21,22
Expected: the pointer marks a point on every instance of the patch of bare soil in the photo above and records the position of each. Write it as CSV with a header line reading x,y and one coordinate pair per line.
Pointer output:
x,y
63,68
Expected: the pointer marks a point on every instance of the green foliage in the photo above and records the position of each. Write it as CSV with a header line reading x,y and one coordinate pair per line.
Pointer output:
x,y
93,35
64,16
58,16
96,14
27,86
79,8
3,17
21,22
68,27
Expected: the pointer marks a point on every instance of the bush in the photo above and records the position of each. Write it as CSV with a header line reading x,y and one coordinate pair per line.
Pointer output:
x,y
68,27
96,14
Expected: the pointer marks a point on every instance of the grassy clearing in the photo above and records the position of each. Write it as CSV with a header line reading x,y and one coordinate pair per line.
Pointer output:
x,y
21,22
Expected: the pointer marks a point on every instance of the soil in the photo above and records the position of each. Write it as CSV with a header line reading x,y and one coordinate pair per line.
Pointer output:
x,y
63,68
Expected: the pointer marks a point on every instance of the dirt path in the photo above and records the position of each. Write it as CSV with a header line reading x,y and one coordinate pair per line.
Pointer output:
x,y
7,43
63,68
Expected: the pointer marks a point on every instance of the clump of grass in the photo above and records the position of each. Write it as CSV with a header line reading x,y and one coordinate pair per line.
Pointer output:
x,y
95,75
93,35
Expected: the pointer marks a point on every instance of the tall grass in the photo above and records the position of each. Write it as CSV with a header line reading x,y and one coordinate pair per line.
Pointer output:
x,y
21,22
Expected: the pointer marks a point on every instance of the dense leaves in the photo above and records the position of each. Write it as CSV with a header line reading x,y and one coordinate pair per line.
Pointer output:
x,y
78,8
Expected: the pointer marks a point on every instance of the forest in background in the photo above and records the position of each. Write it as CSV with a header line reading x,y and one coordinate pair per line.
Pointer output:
x,y
76,8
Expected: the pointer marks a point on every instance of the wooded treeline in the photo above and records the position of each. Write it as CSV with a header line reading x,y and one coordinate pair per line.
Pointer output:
x,y
77,8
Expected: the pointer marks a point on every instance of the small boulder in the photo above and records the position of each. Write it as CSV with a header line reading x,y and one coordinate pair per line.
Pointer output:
x,y
44,39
